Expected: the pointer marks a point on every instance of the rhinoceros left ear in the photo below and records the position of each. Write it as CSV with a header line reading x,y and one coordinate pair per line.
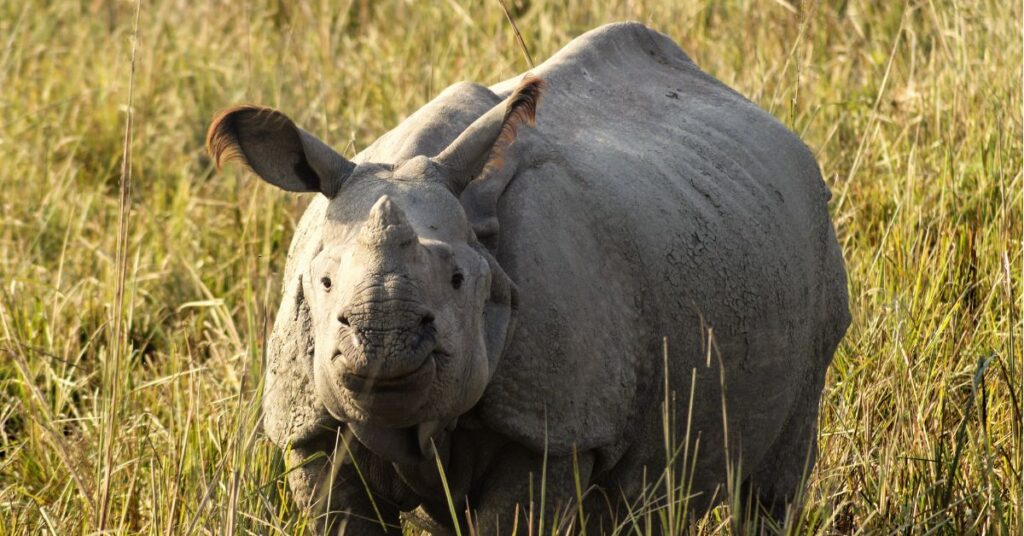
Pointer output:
x,y
276,149
483,159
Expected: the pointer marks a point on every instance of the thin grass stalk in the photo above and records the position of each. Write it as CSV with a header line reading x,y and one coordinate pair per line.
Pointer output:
x,y
345,437
670,443
112,376
519,36
543,479
873,118
579,491
447,491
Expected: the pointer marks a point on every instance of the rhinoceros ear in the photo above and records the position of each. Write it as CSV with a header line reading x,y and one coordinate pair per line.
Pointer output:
x,y
483,159
281,153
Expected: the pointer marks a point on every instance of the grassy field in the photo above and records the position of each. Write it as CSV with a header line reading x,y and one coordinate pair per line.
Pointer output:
x,y
132,319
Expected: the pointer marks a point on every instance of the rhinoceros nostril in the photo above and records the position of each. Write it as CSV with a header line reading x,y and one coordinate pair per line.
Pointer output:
x,y
427,319
344,320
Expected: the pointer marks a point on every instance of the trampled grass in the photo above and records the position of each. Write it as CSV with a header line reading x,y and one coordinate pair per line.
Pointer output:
x,y
134,408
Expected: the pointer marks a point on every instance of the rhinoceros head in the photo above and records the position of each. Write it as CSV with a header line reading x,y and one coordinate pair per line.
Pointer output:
x,y
410,311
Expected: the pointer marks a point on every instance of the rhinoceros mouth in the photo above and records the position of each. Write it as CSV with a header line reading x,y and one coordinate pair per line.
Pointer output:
x,y
392,400
414,380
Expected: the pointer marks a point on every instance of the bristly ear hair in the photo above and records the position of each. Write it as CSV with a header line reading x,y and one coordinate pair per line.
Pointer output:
x,y
479,195
522,109
482,148
222,136
271,145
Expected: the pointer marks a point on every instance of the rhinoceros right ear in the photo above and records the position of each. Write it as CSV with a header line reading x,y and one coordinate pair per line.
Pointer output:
x,y
281,153
483,159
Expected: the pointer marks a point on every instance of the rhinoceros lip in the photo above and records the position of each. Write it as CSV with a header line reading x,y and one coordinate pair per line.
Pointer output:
x,y
372,386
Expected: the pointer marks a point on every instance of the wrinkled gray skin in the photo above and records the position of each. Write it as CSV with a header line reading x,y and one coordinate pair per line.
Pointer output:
x,y
649,202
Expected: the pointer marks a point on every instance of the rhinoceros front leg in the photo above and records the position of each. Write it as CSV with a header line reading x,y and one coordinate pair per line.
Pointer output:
x,y
513,489
346,492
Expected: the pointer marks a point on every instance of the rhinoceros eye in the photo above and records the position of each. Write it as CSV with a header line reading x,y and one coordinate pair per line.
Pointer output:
x,y
457,280
326,282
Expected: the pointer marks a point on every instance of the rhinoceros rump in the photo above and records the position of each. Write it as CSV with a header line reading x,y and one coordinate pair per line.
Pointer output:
x,y
495,279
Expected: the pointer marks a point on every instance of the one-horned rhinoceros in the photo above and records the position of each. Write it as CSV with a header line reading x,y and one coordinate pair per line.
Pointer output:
x,y
497,289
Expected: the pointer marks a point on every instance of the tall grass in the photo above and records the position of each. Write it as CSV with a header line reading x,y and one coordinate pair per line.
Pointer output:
x,y
912,108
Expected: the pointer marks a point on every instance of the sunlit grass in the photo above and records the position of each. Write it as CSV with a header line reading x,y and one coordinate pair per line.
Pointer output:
x,y
913,110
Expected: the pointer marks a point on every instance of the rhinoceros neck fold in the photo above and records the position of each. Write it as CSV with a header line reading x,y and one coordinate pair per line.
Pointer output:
x,y
411,445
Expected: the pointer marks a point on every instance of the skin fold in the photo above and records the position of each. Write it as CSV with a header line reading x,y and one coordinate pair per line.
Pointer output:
x,y
499,286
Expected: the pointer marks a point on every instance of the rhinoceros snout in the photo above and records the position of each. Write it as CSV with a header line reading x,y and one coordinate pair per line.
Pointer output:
x,y
424,320
384,344
386,370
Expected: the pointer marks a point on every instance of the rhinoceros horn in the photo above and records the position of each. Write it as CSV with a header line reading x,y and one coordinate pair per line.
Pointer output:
x,y
387,231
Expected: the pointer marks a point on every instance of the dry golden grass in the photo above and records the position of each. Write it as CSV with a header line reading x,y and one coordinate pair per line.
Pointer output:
x,y
131,333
